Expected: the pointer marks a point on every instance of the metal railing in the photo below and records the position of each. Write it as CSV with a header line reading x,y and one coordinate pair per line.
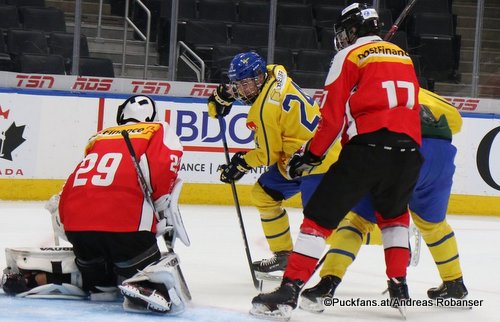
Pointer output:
x,y
188,59
127,22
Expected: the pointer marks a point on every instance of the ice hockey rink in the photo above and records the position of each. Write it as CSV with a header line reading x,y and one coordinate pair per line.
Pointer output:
x,y
218,276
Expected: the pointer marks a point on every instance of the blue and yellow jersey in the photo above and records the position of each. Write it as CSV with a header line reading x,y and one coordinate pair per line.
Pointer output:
x,y
446,115
283,118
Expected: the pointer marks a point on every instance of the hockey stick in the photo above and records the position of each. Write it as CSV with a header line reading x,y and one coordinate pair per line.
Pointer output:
x,y
147,194
394,28
257,283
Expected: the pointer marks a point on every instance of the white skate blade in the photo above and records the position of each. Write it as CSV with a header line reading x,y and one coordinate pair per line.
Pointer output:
x,y
155,302
402,311
283,313
310,306
276,276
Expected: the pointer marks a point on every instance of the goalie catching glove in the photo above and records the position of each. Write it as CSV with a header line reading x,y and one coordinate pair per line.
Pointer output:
x,y
220,102
302,161
236,169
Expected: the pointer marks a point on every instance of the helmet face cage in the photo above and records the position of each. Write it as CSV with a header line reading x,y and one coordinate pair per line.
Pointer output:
x,y
246,74
138,108
356,20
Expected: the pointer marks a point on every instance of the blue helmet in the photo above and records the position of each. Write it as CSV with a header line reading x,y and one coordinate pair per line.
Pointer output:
x,y
250,67
246,65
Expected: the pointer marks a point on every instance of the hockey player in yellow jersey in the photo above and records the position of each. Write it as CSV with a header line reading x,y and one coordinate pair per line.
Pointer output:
x,y
282,118
439,120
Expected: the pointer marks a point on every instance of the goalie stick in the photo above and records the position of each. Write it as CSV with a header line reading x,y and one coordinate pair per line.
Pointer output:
x,y
394,28
257,283
147,194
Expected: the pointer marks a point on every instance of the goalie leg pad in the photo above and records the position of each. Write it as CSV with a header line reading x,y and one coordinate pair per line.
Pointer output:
x,y
154,289
58,264
47,259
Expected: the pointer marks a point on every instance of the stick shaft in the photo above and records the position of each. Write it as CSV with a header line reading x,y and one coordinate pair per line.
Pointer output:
x,y
256,282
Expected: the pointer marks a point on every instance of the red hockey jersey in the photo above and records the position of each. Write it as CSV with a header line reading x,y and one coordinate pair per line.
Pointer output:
x,y
371,85
103,192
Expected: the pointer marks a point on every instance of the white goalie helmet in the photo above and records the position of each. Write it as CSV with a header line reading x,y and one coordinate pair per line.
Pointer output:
x,y
138,108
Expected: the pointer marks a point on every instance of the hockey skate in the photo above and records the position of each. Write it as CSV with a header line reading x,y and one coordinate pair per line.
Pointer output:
x,y
279,304
312,298
140,298
449,289
271,269
398,292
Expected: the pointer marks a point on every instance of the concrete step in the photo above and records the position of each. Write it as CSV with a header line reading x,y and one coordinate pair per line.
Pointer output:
x,y
466,66
88,6
470,22
491,10
134,47
109,32
467,54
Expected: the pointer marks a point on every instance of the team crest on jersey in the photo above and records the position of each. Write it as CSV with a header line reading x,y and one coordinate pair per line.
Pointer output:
x,y
251,126
11,137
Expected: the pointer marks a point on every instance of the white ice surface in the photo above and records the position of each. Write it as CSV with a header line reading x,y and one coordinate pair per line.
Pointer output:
x,y
217,272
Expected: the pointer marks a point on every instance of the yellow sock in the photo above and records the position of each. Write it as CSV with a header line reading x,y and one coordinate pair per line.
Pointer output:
x,y
274,220
345,243
442,244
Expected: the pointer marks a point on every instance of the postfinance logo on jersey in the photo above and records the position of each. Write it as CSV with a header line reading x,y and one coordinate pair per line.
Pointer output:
x,y
141,130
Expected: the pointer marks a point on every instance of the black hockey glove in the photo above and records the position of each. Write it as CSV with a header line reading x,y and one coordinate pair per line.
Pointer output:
x,y
236,169
220,102
301,161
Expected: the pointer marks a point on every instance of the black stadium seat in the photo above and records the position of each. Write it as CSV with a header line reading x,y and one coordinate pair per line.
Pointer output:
x,y
26,41
45,19
245,34
314,60
254,11
217,10
294,14
9,17
296,37
61,43
26,3
41,64
100,67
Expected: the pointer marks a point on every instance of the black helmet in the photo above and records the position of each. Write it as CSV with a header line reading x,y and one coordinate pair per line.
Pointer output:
x,y
356,20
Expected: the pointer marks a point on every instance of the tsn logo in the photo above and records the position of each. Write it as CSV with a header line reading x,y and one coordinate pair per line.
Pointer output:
x,y
34,81
464,104
143,87
93,84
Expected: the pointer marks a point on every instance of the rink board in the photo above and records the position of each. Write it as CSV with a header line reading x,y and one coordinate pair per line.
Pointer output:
x,y
43,133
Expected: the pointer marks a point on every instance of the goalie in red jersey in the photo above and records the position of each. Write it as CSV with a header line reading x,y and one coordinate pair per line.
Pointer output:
x,y
113,221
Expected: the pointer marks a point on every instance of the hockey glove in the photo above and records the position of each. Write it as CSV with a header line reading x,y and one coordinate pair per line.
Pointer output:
x,y
302,160
236,169
220,102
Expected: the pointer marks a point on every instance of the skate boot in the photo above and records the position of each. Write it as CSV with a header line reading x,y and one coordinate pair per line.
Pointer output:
x,y
140,297
271,268
278,304
398,292
312,298
449,289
